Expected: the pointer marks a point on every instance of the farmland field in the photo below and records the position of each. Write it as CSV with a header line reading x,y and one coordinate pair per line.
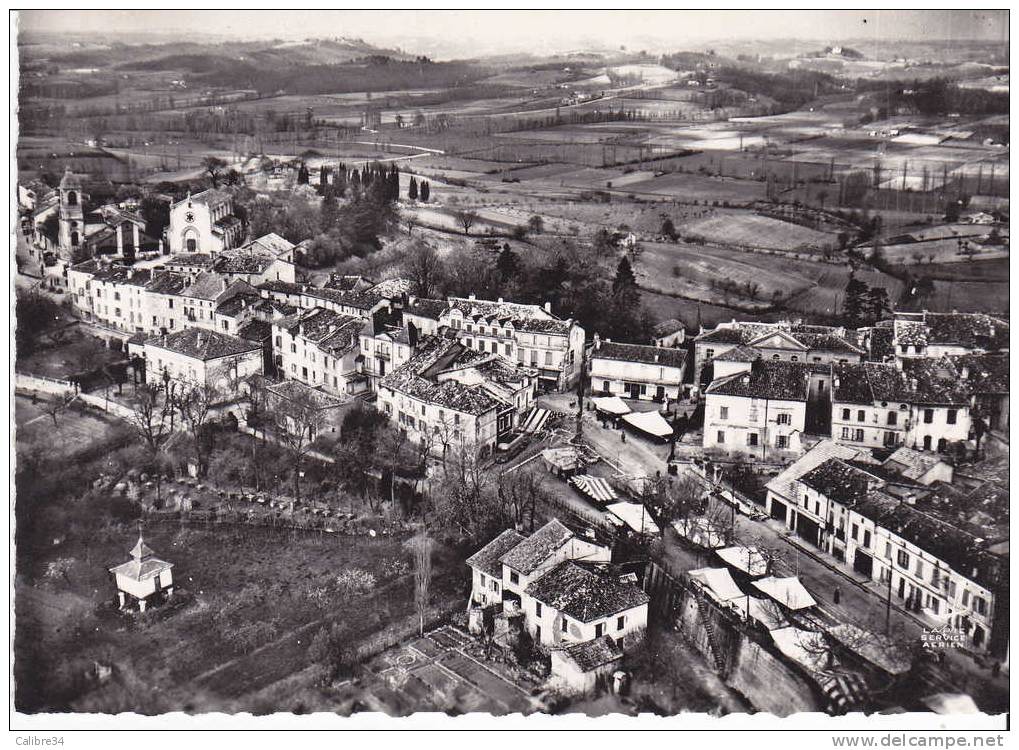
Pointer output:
x,y
751,230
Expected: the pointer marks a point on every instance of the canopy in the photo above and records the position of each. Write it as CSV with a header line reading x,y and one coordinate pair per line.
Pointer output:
x,y
763,611
595,488
650,422
951,703
806,647
699,532
611,405
635,516
748,559
536,420
788,592
876,648
718,582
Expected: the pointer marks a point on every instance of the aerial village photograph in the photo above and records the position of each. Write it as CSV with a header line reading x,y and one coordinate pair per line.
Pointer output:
x,y
545,365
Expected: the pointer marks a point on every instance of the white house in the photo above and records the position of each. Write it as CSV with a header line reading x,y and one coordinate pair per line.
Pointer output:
x,y
790,342
529,334
200,299
204,223
920,403
144,578
935,335
670,332
202,356
110,294
320,347
636,371
386,348
761,411
454,397
268,258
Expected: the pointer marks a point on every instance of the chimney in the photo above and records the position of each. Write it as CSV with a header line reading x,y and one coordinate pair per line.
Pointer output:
x,y
200,338
745,379
910,499
548,307
898,364
965,372
300,329
835,383
597,342
912,384
500,300
656,355
472,296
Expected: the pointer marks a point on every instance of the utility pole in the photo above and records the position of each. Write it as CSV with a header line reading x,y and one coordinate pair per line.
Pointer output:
x,y
888,604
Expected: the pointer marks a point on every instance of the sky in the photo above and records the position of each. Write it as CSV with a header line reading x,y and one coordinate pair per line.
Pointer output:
x,y
473,32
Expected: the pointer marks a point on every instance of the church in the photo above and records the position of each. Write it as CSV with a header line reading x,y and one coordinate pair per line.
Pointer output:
x,y
204,223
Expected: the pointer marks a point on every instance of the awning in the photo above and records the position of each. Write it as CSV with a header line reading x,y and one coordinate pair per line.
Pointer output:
x,y
951,703
718,582
699,532
788,592
748,559
635,516
805,647
650,422
763,611
595,488
536,420
611,405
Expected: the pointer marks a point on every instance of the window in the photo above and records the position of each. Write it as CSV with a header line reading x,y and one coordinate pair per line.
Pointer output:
x,y
509,349
951,416
721,436
859,436
495,348
723,412
979,605
845,413
514,578
784,419
815,359
548,358
495,585
866,539
902,559
751,439
928,416
782,441
846,433
537,609
965,597
919,567
537,633
620,622
861,415
709,353
599,630
794,358
856,530
893,418
888,550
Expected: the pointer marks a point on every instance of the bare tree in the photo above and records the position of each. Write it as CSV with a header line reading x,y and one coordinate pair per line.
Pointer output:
x,y
296,421
421,547
58,406
152,419
466,218
423,266
519,494
195,402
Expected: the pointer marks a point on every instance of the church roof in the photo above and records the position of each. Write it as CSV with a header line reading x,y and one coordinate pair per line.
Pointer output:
x,y
70,180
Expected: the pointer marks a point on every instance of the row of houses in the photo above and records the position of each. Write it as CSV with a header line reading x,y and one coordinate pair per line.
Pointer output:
x,y
937,539
563,592
922,386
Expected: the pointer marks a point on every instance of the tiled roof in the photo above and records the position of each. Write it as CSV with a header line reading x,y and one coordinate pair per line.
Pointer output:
x,y
294,389
207,286
201,260
739,353
921,381
970,330
427,308
330,330
115,273
984,373
524,317
742,333
202,343
486,559
584,594
651,355
782,484
529,555
233,306
345,283
774,379
669,327
209,197
272,243
285,287
911,463
589,655
167,282
839,481
255,330
882,344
